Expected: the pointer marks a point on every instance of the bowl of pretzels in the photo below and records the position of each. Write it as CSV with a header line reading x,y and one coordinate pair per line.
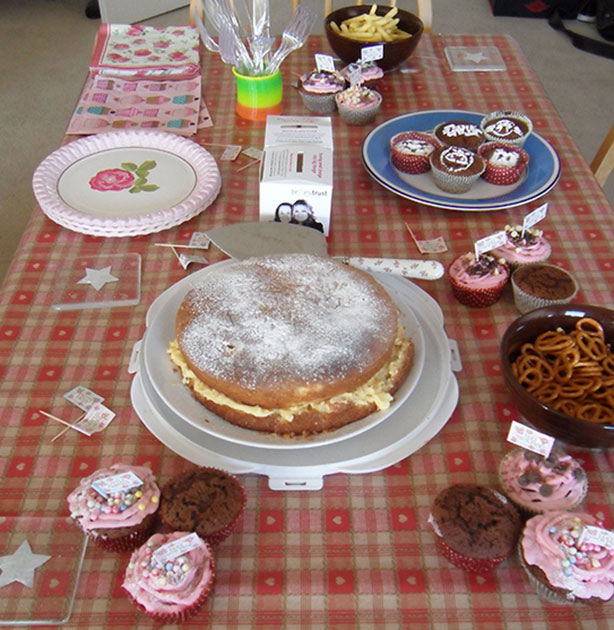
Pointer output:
x,y
558,363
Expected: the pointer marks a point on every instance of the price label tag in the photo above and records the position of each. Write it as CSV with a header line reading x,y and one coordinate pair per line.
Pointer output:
x,y
96,419
83,397
200,239
431,246
490,242
123,482
253,152
597,536
231,152
175,548
372,53
534,217
325,63
525,437
354,73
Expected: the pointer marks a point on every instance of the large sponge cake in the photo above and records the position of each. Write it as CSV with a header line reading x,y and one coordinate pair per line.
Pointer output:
x,y
290,344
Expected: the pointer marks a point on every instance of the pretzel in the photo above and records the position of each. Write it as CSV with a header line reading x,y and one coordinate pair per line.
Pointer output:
x,y
572,372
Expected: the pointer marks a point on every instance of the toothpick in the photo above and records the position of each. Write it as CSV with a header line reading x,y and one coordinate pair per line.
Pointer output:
x,y
65,429
67,424
248,165
179,245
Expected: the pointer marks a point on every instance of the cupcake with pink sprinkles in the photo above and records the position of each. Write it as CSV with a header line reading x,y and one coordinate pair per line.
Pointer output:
x,y
169,577
358,105
569,557
116,507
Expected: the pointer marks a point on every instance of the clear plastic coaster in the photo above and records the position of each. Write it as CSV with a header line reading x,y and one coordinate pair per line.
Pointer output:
x,y
40,566
474,58
100,281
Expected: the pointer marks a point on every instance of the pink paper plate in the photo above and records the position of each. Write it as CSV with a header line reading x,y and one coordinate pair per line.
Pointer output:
x,y
125,183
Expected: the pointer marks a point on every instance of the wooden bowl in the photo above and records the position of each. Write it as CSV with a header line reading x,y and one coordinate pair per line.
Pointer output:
x,y
544,418
395,53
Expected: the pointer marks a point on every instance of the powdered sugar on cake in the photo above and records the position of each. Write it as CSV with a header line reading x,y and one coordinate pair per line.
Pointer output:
x,y
274,319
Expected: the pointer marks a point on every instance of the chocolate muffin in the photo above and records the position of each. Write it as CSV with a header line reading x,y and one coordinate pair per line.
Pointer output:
x,y
455,169
507,126
204,500
460,133
540,284
476,527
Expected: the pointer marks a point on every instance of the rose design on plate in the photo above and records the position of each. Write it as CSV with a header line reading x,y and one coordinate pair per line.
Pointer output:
x,y
130,176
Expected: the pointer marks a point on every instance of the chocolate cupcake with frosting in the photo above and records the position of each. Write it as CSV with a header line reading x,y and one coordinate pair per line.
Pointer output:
x,y
507,126
455,169
460,133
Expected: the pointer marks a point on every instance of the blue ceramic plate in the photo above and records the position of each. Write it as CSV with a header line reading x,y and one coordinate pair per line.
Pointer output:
x,y
541,175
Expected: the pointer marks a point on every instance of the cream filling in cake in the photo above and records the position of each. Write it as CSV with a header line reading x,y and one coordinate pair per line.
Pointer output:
x,y
375,390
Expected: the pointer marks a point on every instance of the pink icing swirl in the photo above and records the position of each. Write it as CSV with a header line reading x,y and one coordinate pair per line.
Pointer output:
x,y
557,482
169,589
551,542
322,82
486,273
519,248
126,509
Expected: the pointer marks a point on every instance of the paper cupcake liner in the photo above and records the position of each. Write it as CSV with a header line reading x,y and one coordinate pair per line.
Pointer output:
x,y
186,613
476,298
454,183
542,589
527,511
214,538
526,302
467,563
319,103
511,114
503,175
363,116
411,164
126,543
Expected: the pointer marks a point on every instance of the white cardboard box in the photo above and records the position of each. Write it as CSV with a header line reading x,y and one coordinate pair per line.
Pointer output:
x,y
296,172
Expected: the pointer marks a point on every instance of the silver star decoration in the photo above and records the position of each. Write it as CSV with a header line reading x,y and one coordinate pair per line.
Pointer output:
x,y
476,57
98,277
20,566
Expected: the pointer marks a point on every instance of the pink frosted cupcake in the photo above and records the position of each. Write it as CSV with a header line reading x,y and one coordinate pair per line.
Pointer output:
x,y
116,506
369,72
537,484
505,163
318,89
170,576
478,283
358,105
521,249
204,500
410,151
561,567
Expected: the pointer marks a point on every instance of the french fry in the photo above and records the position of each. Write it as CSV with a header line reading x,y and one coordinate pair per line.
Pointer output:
x,y
372,28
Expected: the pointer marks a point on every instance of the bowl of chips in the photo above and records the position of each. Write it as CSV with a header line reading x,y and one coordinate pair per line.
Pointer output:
x,y
558,364
351,29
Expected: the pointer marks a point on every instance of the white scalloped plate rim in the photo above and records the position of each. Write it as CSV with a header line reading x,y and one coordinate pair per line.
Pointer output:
x,y
47,174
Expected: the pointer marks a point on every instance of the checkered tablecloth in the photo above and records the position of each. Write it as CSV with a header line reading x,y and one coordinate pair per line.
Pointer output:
x,y
359,552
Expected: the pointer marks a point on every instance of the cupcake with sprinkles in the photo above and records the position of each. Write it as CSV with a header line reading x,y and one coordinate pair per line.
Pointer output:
x,y
170,576
478,282
117,506
523,246
358,105
568,557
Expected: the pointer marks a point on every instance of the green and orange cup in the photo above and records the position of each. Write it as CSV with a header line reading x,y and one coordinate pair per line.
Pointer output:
x,y
258,97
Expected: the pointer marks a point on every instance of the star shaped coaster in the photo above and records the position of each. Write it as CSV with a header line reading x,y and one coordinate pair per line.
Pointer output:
x,y
474,58
100,281
20,565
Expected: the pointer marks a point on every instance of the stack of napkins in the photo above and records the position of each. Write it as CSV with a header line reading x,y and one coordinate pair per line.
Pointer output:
x,y
142,77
